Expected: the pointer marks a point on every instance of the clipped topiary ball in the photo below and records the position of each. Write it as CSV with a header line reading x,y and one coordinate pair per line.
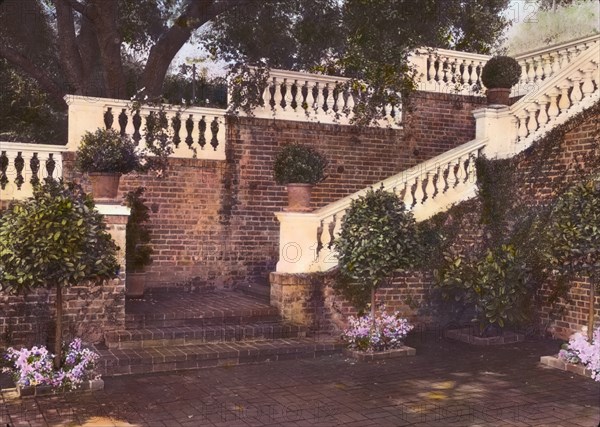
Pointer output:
x,y
299,164
501,72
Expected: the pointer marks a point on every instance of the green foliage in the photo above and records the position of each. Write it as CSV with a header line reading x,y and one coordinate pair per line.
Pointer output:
x,y
54,238
106,151
378,237
299,164
138,250
494,285
573,230
501,72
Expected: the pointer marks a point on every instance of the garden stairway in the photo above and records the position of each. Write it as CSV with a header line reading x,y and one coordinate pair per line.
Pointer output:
x,y
553,96
176,330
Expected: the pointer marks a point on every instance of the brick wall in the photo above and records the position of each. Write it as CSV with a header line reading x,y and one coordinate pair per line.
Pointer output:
x,y
212,222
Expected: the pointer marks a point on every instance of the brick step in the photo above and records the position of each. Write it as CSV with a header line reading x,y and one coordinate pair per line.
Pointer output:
x,y
115,362
194,335
257,291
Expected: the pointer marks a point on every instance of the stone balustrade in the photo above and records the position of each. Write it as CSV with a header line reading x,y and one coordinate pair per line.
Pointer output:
x,y
23,165
306,239
195,131
572,89
319,98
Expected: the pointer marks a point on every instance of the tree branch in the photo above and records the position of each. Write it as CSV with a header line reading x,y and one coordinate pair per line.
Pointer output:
x,y
78,7
28,67
162,53
67,42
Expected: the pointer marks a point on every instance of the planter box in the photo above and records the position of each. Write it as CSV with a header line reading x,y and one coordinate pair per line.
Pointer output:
x,y
557,363
380,355
467,335
45,390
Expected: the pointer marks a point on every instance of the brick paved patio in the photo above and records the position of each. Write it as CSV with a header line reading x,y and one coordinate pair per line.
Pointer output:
x,y
446,384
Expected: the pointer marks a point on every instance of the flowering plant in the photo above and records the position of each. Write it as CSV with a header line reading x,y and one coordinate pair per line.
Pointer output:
x,y
34,367
580,350
388,332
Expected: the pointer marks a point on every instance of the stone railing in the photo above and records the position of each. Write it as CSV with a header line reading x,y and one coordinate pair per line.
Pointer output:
x,y
306,239
196,132
318,98
449,71
574,88
22,165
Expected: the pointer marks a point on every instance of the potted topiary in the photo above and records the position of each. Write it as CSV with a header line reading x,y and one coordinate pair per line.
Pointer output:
x,y
499,75
138,250
104,155
299,167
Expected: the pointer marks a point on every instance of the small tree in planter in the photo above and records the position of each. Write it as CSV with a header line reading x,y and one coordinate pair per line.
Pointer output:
x,y
499,75
573,237
138,250
378,237
104,155
54,239
299,167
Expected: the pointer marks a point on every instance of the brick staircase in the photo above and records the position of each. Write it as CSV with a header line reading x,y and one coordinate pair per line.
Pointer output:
x,y
176,330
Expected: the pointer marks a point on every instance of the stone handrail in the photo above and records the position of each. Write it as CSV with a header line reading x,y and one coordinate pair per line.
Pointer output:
x,y
301,96
573,89
306,239
22,165
197,132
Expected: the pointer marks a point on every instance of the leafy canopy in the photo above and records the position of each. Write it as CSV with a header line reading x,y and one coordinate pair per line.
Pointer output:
x,y
378,237
54,238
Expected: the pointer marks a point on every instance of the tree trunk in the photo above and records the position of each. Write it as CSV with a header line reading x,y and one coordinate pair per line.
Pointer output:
x,y
373,309
591,313
58,333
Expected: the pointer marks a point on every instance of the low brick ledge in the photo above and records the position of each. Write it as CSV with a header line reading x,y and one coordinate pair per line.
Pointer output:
x,y
557,363
466,335
40,391
363,356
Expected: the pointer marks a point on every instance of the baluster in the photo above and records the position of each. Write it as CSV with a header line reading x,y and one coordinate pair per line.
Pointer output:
x,y
522,116
576,94
564,103
471,168
523,73
320,101
464,76
588,84
123,121
176,124
19,163
339,102
433,67
288,98
3,168
50,166
329,102
543,116
429,187
547,65
532,124
310,99
471,75
277,96
530,71
539,69
419,194
202,132
387,111
555,62
137,124
446,177
553,107
514,121
564,58
214,128
444,64
189,127
350,102
34,166
266,97
108,118
407,196
573,52
460,171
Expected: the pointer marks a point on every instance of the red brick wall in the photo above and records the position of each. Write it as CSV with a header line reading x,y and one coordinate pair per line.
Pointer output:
x,y
212,222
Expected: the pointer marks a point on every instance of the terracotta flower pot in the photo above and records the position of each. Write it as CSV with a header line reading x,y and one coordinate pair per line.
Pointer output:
x,y
104,185
299,197
498,96
135,284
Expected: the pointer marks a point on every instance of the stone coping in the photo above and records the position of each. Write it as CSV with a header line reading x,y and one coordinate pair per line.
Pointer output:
x,y
466,335
380,355
558,363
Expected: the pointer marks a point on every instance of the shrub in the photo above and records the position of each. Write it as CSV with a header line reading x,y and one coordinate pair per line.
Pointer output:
x,y
106,151
501,72
138,250
298,164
